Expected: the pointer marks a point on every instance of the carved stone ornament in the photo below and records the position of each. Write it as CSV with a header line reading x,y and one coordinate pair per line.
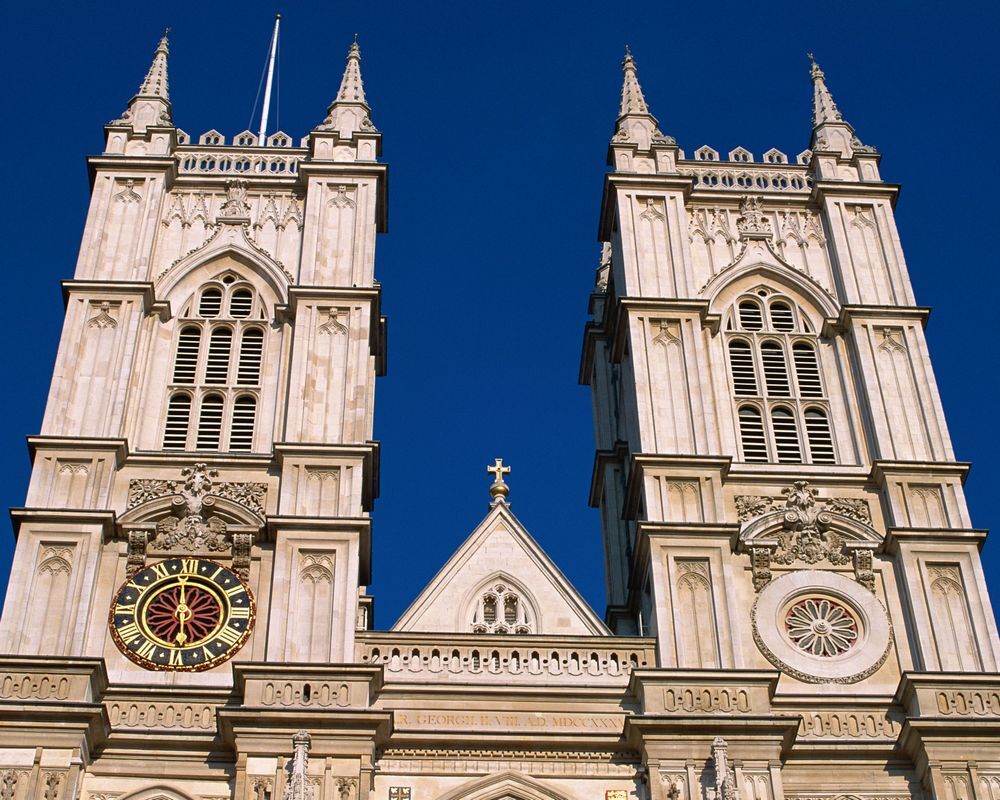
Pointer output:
x,y
191,525
235,204
299,785
752,219
807,535
725,781
137,541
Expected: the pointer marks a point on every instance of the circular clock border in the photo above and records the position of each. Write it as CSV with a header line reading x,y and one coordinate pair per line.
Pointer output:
x,y
857,663
153,666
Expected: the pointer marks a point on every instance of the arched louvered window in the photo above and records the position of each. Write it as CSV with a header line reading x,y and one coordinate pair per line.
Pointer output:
x,y
741,364
752,434
251,350
220,347
820,439
244,417
210,422
175,431
782,318
772,356
751,316
219,353
807,370
186,360
211,302
786,436
240,303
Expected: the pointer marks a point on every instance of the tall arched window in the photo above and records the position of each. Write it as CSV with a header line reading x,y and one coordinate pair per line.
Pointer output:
x,y
218,359
774,362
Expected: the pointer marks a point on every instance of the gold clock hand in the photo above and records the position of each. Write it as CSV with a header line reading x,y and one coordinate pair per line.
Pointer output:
x,y
182,613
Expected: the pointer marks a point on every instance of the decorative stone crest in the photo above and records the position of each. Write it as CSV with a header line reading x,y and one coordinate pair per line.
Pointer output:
x,y
191,527
235,204
807,535
347,788
752,220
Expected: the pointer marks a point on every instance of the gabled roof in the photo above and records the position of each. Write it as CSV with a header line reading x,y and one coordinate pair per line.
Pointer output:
x,y
500,549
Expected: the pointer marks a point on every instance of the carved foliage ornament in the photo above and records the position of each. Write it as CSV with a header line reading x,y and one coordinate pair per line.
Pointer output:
x,y
806,536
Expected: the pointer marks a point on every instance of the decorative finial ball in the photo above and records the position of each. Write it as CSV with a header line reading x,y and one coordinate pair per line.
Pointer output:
x,y
499,490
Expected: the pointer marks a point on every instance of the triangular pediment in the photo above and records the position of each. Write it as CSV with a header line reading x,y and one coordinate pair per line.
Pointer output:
x,y
501,552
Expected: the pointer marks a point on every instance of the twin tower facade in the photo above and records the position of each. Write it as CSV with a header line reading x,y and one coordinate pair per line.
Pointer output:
x,y
796,607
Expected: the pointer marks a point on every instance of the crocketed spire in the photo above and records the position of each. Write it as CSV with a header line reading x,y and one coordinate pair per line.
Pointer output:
x,y
824,109
155,84
831,132
350,111
633,101
151,104
635,124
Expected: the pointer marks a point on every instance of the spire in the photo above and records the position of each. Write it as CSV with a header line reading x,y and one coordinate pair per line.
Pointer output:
x,y
350,111
633,101
155,84
635,124
824,109
831,132
151,104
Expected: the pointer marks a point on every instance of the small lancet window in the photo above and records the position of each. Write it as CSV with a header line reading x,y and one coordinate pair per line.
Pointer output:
x,y
210,422
178,418
741,364
751,317
186,361
807,370
219,348
820,440
772,356
782,318
752,434
251,350
244,416
211,302
786,437
241,303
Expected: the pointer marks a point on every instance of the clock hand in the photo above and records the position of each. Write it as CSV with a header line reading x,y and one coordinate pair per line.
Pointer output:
x,y
182,613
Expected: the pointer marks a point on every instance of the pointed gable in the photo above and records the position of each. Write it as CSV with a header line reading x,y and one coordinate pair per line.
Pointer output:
x,y
501,552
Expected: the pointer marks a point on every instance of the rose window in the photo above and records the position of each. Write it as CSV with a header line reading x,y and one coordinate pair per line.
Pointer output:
x,y
821,627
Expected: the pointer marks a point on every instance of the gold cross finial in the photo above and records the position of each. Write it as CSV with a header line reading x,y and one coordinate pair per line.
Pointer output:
x,y
499,489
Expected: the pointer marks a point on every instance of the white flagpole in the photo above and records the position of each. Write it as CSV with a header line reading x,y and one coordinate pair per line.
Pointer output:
x,y
267,87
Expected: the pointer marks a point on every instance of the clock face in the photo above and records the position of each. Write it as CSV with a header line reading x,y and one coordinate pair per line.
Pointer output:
x,y
182,614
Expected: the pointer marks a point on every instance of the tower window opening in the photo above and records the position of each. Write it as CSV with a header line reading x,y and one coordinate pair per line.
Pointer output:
x,y
777,357
216,374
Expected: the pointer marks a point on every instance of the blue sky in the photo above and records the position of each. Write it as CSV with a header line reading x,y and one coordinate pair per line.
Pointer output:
x,y
496,118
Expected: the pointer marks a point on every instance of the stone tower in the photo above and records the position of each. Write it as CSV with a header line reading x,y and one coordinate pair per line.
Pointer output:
x,y
211,402
776,481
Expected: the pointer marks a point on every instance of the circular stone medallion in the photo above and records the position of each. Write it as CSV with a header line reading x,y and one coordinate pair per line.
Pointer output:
x,y
821,627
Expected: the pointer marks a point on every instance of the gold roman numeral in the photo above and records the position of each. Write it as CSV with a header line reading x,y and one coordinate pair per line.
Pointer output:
x,y
146,649
129,632
230,635
189,566
160,570
239,613
175,658
129,609
235,590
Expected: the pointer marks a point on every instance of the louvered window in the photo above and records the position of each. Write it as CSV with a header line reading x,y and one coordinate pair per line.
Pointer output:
x,y
786,437
186,361
752,434
251,350
241,303
751,318
772,356
741,363
211,302
777,358
820,439
178,418
220,346
218,357
781,317
210,422
244,416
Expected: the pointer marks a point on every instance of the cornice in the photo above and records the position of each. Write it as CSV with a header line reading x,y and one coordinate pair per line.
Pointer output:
x,y
359,526
143,289
370,453
853,311
65,516
377,323
896,537
849,189
671,181
138,165
79,443
882,470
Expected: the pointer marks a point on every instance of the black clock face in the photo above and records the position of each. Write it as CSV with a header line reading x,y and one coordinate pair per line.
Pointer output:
x,y
182,614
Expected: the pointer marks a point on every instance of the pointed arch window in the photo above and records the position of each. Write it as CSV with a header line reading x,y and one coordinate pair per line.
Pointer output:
x,y
499,608
218,358
774,360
